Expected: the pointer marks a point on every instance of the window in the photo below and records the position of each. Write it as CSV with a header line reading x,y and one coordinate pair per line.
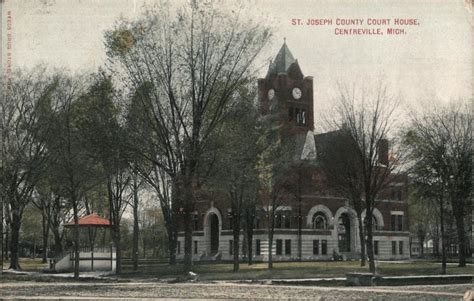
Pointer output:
x,y
288,247
315,247
400,222
287,221
278,221
257,223
375,225
195,247
231,221
231,247
320,221
279,246
300,114
400,247
195,222
397,222
179,247
376,247
324,247
257,247
394,248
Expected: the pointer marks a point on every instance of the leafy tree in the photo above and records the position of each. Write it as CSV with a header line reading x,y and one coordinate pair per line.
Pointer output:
x,y
104,139
73,168
235,156
192,60
25,124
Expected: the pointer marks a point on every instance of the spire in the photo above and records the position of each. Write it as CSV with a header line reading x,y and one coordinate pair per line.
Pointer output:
x,y
282,61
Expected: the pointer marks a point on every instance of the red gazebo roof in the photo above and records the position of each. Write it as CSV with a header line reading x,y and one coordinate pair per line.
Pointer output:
x,y
91,220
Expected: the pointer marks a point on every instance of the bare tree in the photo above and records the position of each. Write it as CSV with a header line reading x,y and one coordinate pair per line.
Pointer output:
x,y
368,119
341,166
193,61
440,142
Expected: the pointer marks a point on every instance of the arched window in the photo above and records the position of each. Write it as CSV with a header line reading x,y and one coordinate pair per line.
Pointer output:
x,y
375,225
319,221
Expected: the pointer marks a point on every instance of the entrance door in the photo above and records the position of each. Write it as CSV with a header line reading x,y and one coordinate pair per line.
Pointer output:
x,y
344,233
214,234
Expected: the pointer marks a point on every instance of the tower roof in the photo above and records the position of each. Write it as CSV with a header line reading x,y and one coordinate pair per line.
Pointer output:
x,y
282,61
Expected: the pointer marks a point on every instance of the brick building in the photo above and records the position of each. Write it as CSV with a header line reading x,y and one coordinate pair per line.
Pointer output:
x,y
328,224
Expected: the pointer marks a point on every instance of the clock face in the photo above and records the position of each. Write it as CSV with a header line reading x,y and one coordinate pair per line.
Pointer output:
x,y
271,94
296,93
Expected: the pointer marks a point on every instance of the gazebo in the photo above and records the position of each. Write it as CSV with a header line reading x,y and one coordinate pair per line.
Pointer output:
x,y
91,257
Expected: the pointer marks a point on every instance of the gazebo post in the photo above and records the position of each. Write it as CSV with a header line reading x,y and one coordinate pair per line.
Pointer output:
x,y
111,257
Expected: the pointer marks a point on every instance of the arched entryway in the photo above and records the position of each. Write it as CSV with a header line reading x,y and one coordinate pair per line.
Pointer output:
x,y
214,224
344,233
212,229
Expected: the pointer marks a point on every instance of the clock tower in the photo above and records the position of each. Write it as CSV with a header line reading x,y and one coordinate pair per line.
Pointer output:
x,y
287,94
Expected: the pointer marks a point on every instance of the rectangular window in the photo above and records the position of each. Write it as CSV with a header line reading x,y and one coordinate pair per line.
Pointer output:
x,y
278,221
257,247
394,248
195,222
400,222
324,247
257,223
279,246
231,221
231,247
287,221
179,247
376,247
288,247
315,247
195,247
396,222
400,247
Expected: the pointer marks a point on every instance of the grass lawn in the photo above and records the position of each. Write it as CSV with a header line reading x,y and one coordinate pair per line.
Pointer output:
x,y
28,264
223,271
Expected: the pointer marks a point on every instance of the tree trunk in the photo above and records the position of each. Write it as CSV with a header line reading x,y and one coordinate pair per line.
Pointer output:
x,y
249,230
15,239
45,237
362,240
58,248
188,241
188,223
118,249
443,237
76,238
460,228
136,226
370,248
236,234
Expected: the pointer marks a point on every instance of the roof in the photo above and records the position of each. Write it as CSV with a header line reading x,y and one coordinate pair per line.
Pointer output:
x,y
282,61
91,220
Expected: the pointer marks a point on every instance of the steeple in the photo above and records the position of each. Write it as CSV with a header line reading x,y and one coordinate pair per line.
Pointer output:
x,y
282,61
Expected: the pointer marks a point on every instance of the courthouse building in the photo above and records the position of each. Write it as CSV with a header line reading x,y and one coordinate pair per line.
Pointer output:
x,y
329,224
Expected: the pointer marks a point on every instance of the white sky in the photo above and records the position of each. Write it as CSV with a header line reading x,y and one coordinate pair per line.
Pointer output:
x,y
433,59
